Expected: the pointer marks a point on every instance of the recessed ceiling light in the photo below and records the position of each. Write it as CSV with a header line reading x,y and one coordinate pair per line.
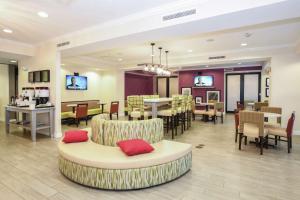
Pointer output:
x,y
13,61
120,59
62,64
239,63
206,66
6,30
42,14
190,50
244,44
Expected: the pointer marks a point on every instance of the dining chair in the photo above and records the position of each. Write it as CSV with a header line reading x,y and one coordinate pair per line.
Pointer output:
x,y
240,105
81,112
114,109
136,108
169,115
284,132
259,105
276,110
237,123
252,125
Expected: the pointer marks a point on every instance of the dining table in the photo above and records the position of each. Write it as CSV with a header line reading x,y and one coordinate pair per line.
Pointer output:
x,y
73,106
102,106
154,103
207,105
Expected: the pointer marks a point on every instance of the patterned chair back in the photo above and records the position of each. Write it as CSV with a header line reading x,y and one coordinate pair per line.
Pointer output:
x,y
135,102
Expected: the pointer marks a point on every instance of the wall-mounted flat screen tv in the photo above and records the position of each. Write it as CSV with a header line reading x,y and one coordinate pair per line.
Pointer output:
x,y
76,82
203,81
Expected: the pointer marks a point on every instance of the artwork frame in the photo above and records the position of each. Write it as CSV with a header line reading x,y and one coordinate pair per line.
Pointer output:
x,y
186,91
198,100
267,82
213,95
267,92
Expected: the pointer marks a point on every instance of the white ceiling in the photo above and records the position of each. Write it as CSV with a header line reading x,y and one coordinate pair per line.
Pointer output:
x,y
64,16
282,33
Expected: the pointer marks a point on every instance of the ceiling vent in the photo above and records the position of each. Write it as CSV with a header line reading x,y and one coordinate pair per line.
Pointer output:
x,y
216,57
63,44
179,14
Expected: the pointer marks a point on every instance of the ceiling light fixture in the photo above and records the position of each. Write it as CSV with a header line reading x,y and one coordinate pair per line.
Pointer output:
x,y
62,64
42,14
159,69
120,59
6,30
210,40
13,61
206,66
244,44
239,63
190,50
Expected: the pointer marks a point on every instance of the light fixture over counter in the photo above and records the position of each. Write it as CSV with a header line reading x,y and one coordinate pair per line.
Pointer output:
x,y
158,69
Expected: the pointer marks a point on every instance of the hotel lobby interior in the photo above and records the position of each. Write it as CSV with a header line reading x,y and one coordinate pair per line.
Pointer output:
x,y
160,99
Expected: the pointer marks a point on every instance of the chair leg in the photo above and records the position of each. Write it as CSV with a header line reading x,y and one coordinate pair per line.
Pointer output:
x,y
86,121
172,126
77,122
117,116
222,118
182,122
275,139
291,141
246,139
168,124
261,145
110,116
240,140
214,118
267,142
236,135
289,144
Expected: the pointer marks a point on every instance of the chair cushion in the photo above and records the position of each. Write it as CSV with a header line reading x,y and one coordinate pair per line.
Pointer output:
x,y
74,136
200,112
271,125
167,113
135,147
94,111
65,115
277,131
252,130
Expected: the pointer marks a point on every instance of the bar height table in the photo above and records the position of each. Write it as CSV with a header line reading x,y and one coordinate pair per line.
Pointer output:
x,y
155,103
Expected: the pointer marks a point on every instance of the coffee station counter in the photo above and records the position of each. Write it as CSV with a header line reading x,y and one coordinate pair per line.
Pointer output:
x,y
30,120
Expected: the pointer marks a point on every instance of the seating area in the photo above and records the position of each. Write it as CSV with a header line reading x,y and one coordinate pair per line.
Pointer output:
x,y
263,124
160,99
113,170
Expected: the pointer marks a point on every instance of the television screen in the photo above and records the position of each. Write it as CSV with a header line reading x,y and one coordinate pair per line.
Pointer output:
x,y
204,81
76,82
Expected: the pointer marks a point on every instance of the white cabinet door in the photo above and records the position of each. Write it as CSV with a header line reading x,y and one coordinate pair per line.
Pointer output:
x,y
251,84
233,91
173,86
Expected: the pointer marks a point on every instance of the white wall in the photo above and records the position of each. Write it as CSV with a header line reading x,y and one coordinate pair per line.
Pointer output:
x,y
4,94
94,85
46,57
285,93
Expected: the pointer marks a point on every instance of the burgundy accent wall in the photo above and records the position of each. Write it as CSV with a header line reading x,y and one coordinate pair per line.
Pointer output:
x,y
138,85
186,79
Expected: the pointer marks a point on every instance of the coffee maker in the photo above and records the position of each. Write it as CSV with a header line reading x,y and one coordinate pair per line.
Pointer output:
x,y
41,95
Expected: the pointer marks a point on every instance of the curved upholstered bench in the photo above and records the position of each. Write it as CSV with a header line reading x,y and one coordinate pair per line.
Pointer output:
x,y
107,167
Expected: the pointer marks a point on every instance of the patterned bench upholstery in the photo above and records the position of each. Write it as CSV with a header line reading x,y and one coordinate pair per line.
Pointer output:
x,y
109,132
99,163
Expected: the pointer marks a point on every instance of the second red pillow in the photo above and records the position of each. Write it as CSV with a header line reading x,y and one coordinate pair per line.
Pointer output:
x,y
135,147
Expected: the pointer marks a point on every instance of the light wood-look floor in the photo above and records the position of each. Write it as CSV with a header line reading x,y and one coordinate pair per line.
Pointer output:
x,y
220,171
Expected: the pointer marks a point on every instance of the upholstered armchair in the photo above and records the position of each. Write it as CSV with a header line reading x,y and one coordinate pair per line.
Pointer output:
x,y
252,125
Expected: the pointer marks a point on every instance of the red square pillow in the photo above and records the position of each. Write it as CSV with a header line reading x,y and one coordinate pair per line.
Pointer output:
x,y
135,147
73,136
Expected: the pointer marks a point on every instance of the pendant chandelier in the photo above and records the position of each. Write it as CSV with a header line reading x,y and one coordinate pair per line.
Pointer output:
x,y
159,69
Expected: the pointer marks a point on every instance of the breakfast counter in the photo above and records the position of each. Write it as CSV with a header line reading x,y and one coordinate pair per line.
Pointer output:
x,y
29,119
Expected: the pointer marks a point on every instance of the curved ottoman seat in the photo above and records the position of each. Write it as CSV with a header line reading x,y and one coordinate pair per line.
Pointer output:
x,y
107,167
